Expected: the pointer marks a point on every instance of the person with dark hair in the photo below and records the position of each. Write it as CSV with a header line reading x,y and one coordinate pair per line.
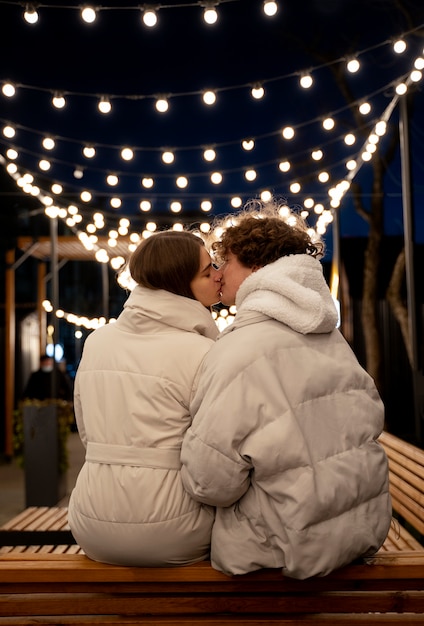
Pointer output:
x,y
49,381
132,393
285,420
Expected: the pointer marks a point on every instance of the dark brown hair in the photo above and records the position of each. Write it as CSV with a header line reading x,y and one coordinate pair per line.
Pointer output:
x,y
167,260
261,234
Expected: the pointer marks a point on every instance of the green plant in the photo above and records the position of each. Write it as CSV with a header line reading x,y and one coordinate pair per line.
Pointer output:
x,y
65,419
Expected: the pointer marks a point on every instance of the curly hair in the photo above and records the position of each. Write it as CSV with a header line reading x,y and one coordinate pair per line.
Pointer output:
x,y
262,233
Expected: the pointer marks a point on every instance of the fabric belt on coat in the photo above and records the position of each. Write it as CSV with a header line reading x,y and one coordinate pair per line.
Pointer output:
x,y
110,454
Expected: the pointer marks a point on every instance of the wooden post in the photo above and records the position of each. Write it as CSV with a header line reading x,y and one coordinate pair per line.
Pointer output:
x,y
10,336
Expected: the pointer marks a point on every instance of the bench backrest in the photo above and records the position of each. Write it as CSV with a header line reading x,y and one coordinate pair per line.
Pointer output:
x,y
406,467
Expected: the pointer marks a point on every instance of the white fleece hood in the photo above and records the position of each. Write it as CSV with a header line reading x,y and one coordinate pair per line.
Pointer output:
x,y
293,291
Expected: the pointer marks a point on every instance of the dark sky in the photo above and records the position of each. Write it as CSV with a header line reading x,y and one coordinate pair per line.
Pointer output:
x,y
118,56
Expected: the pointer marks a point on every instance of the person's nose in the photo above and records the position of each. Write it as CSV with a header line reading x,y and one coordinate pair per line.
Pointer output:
x,y
218,275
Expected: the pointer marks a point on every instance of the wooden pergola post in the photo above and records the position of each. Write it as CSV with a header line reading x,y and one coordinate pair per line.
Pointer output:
x,y
10,339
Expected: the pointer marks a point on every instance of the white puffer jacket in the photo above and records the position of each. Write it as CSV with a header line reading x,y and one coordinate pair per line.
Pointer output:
x,y
132,393
284,433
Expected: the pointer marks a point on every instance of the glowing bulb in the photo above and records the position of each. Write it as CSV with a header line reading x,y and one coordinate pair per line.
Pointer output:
x,y
288,132
30,14
8,90
48,143
295,187
350,139
150,17
250,175
44,165
209,97
89,152
216,178
210,15
209,154
175,207
182,182
168,157
127,154
9,132
147,182
104,105
88,14
399,46
115,203
401,89
284,166
145,206
248,144
270,8
112,180
206,205
328,123
306,81
323,177
353,66
58,101
257,92
317,155
85,196
162,105
365,108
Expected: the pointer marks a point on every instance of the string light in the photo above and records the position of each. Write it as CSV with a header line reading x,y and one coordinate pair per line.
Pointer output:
x,y
306,81
257,92
8,90
162,104
104,105
340,188
209,97
58,101
88,14
210,14
150,17
270,8
30,14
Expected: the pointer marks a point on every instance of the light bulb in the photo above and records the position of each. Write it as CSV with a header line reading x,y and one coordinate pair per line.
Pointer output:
x,y
209,97
306,81
162,105
89,152
30,14
270,8
210,15
104,105
209,154
168,157
399,46
8,90
127,154
353,65
88,14
257,92
58,101
150,17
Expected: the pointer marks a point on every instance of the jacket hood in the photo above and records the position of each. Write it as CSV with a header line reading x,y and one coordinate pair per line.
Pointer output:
x,y
293,291
158,305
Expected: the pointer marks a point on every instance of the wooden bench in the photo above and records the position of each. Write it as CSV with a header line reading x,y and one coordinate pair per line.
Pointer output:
x,y
406,474
71,589
38,528
50,584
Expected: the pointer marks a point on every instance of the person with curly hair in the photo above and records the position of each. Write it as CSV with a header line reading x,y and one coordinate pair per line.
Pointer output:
x,y
285,420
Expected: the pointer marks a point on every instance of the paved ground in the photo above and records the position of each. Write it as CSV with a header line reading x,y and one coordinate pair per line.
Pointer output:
x,y
12,481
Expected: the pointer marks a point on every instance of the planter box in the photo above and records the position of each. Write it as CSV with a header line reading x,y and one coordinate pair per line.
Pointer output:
x,y
44,484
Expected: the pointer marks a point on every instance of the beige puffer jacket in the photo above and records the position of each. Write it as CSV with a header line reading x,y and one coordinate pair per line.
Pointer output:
x,y
132,392
284,433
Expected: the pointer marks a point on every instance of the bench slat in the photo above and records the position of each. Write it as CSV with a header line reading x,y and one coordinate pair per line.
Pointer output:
x,y
136,604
